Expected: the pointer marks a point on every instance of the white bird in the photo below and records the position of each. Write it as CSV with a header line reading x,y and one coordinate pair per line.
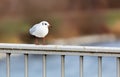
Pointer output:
x,y
40,30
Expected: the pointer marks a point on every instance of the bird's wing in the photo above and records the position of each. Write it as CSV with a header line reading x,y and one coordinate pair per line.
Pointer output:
x,y
33,29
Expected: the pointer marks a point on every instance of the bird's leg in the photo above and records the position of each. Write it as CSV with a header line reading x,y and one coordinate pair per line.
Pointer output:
x,y
36,40
43,41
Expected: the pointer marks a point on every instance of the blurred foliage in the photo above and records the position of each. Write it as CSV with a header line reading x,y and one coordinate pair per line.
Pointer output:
x,y
112,17
11,28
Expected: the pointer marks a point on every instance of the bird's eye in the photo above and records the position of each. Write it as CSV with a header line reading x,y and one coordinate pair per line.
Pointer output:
x,y
45,24
42,23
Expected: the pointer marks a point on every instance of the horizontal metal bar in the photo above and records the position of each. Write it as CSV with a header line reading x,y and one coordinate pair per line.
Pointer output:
x,y
59,50
31,47
79,53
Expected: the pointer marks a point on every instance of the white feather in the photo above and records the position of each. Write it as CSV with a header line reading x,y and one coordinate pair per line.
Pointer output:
x,y
39,30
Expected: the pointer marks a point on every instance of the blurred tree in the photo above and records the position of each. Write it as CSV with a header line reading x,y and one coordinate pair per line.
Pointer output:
x,y
84,18
114,3
94,22
4,6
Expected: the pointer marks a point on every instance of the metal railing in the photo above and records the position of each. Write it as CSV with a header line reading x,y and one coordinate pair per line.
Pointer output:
x,y
62,50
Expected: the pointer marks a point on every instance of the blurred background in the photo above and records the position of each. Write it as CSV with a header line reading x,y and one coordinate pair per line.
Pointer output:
x,y
69,18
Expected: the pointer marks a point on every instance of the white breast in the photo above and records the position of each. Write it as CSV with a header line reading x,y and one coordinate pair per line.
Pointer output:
x,y
40,31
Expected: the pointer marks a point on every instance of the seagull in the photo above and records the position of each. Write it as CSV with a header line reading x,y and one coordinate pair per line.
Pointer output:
x,y
40,30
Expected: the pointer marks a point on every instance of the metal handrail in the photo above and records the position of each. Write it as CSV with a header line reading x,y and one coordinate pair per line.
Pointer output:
x,y
59,50
62,50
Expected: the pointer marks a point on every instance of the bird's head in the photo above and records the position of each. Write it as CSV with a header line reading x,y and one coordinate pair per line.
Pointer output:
x,y
45,23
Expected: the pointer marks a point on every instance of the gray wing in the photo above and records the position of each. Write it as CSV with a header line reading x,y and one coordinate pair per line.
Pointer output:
x,y
33,29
